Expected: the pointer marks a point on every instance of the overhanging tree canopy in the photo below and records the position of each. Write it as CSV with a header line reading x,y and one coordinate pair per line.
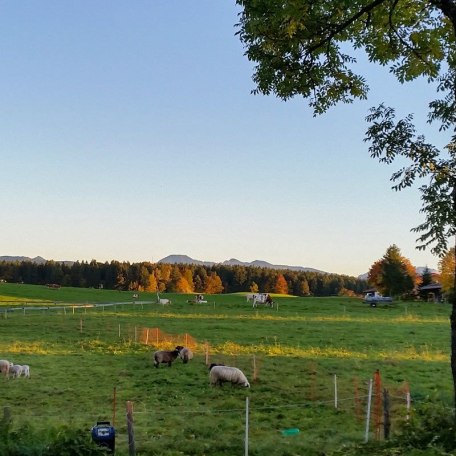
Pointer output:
x,y
308,48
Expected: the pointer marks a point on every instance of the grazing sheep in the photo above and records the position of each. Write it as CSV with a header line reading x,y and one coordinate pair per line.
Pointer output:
x,y
26,370
4,367
221,374
185,355
166,357
15,370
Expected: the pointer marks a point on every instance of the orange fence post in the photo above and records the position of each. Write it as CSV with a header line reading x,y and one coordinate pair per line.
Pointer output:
x,y
378,403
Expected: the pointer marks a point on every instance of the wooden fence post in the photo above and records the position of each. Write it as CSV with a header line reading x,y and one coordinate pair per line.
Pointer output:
x,y
130,430
369,400
408,401
386,414
114,406
246,442
378,403
6,420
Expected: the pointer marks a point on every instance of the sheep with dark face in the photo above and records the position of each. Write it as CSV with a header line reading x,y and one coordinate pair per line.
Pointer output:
x,y
226,374
185,355
166,357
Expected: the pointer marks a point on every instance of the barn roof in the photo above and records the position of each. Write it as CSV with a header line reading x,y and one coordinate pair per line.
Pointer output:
x,y
430,287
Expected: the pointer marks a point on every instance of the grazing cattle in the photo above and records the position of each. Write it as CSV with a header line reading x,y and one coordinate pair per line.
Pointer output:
x,y
163,301
262,298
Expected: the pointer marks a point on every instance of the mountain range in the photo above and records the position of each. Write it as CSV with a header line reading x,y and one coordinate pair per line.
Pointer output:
x,y
180,259
184,259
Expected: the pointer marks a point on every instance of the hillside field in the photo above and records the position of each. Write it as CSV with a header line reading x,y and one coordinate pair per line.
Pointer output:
x,y
87,362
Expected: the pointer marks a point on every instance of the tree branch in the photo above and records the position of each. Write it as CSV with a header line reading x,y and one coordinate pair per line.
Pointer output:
x,y
367,9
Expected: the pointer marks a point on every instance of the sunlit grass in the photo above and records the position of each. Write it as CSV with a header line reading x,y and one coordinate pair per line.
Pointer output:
x,y
77,359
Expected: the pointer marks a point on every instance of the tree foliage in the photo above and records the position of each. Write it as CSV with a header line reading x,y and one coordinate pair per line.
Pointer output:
x,y
310,48
393,274
180,278
447,268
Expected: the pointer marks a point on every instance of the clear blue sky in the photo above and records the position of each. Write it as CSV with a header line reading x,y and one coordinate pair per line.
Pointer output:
x,y
128,132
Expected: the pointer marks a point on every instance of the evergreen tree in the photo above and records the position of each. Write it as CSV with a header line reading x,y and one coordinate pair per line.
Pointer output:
x,y
392,274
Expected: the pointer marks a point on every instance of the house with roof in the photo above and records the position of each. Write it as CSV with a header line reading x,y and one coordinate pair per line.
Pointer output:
x,y
431,292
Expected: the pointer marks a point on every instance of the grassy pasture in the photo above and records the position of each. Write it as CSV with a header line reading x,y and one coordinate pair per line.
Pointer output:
x,y
77,359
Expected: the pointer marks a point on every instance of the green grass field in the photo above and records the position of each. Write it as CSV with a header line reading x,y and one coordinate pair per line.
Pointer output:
x,y
80,355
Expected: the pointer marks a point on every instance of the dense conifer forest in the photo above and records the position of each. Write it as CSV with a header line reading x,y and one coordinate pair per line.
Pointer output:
x,y
180,278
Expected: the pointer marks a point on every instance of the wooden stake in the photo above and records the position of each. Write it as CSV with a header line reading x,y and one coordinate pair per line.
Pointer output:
x,y
369,400
246,443
130,430
114,406
386,414
408,401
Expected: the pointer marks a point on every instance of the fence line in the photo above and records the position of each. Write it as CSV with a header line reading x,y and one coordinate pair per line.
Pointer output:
x,y
255,419
253,408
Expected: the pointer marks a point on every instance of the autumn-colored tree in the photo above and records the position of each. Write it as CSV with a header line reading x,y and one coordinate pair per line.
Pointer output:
x,y
374,276
153,285
304,289
447,269
188,276
254,287
393,274
182,286
174,278
213,284
345,292
281,285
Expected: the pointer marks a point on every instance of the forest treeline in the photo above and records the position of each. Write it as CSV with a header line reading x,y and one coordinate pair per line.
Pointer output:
x,y
180,278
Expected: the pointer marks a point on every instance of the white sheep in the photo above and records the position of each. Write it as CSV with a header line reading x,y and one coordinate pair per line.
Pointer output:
x,y
15,370
222,374
26,370
185,355
4,367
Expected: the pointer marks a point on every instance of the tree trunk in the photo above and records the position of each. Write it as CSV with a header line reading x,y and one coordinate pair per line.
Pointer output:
x,y
453,315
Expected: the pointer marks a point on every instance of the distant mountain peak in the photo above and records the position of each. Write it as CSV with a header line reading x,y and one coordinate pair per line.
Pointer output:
x,y
185,259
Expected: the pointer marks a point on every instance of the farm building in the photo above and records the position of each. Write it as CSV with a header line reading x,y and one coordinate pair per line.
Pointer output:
x,y
431,292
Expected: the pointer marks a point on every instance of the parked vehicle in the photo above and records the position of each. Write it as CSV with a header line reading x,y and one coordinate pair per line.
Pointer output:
x,y
374,297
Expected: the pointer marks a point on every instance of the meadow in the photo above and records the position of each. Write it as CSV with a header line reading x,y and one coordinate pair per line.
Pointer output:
x,y
88,361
